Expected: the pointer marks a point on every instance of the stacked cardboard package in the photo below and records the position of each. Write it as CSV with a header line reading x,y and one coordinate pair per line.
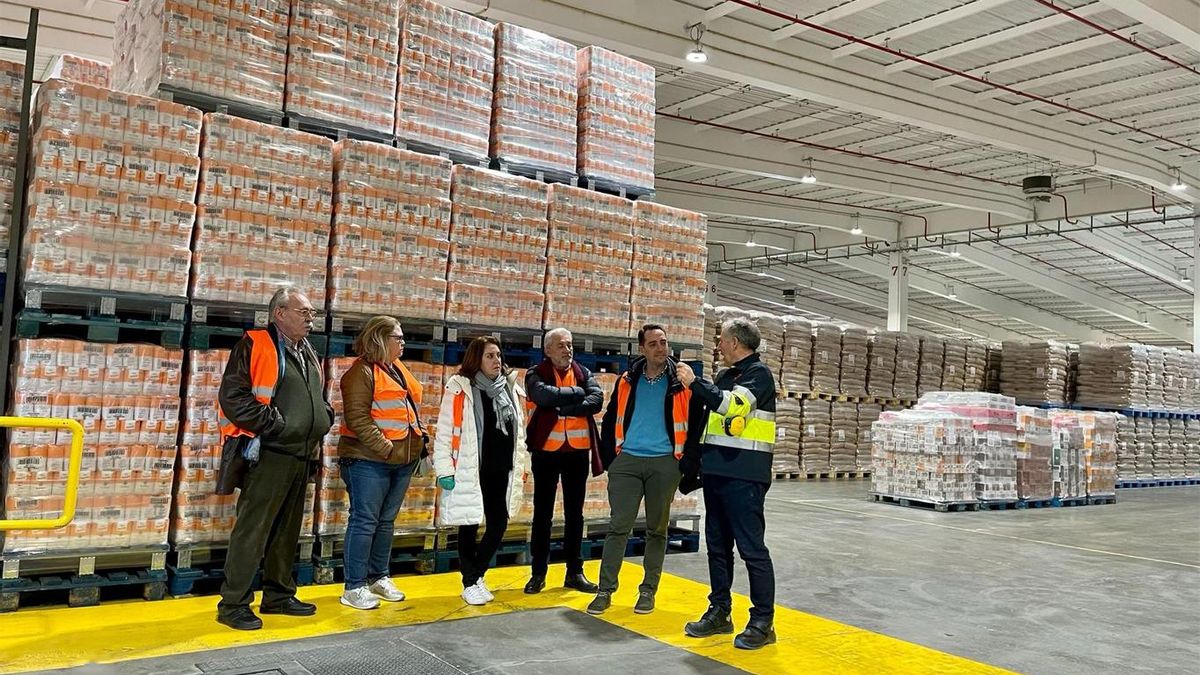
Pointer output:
x,y
796,375
588,267
616,119
994,420
827,357
1034,372
229,50
1067,464
391,226
112,191
444,85
881,364
669,262
535,107
1035,446
852,378
126,397
266,200
816,426
787,436
79,69
498,257
924,454
931,365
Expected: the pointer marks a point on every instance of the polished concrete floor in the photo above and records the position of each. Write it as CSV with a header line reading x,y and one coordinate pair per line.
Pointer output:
x,y
1098,589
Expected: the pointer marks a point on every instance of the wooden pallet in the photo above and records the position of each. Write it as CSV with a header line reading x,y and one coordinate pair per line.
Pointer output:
x,y
941,507
788,475
851,475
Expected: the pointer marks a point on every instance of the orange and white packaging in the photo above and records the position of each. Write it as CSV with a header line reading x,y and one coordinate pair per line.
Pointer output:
x,y
535,106
78,69
616,119
669,266
11,80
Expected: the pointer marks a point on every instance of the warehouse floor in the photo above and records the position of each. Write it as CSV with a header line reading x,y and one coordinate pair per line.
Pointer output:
x,y
1100,589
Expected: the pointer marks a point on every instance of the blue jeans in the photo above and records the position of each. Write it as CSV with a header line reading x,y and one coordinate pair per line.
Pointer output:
x,y
376,490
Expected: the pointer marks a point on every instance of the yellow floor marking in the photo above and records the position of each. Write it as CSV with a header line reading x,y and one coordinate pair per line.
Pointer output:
x,y
973,530
62,637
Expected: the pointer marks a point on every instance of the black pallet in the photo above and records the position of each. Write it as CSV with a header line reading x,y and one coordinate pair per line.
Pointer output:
x,y
540,174
201,570
510,553
941,507
1069,501
334,129
79,578
1093,500
206,103
678,541
615,188
453,155
411,552
1036,503
998,504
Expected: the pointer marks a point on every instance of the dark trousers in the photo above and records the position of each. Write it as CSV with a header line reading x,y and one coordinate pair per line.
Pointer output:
x,y
733,513
376,491
269,511
630,479
475,557
572,468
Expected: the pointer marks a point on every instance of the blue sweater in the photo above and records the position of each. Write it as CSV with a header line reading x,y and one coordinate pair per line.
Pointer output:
x,y
647,434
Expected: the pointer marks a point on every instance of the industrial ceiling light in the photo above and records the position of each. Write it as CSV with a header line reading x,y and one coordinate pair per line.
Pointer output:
x,y
808,178
1184,276
857,229
697,54
1178,185
950,293
750,241
954,252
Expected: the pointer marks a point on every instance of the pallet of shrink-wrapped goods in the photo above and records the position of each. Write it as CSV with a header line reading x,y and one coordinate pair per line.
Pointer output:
x,y
391,231
881,364
616,119
588,267
868,414
266,201
843,436
713,316
924,454
1156,395
796,375
786,458
79,69
669,262
816,424
954,365
1067,469
908,359
930,364
112,190
1126,449
1144,447
1168,453
11,82
975,373
1100,451
1035,445
342,63
498,256
1191,447
827,357
1113,375
994,422
770,349
126,397
535,107
1034,372
444,85
1174,380
852,374
230,51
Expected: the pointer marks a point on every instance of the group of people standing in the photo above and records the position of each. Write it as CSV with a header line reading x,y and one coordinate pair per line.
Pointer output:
x,y
663,429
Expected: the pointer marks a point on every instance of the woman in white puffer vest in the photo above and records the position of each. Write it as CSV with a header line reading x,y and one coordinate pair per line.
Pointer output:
x,y
480,459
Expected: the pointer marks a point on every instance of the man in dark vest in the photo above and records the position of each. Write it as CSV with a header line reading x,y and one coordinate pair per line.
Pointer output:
x,y
565,444
272,393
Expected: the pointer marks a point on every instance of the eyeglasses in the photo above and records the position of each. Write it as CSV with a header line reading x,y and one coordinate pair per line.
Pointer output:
x,y
306,313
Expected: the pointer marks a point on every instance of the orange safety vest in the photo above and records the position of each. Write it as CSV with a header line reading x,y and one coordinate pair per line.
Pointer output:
x,y
390,408
679,415
264,377
460,402
569,431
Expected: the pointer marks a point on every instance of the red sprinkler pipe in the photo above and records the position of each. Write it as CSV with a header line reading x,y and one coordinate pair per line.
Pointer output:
x,y
1092,24
937,66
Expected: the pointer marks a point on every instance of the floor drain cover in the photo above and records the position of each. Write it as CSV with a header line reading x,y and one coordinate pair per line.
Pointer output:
x,y
289,668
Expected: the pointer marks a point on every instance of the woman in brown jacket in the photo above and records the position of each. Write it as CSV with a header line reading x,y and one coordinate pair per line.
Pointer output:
x,y
382,440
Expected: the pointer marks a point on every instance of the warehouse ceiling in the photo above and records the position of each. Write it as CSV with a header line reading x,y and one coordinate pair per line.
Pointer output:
x,y
918,120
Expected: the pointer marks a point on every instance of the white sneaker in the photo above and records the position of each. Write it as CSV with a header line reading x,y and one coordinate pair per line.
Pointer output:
x,y
473,595
360,598
487,592
384,589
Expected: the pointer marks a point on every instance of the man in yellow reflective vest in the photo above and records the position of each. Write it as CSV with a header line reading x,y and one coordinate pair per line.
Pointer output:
x,y
732,421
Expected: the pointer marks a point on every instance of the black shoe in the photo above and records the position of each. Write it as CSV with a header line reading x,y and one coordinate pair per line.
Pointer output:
x,y
600,604
580,583
290,607
756,636
241,618
645,603
536,583
714,622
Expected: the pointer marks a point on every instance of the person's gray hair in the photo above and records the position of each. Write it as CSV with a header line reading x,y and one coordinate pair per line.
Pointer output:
x,y
744,331
554,332
281,296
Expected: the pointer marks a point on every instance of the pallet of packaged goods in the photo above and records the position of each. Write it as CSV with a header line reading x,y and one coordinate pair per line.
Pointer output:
x,y
445,80
1035,373
126,397
535,105
206,53
1068,466
1034,448
770,349
930,365
265,201
1156,395
341,67
827,358
498,254
843,436
1100,452
1191,462
786,459
881,364
712,333
815,428
924,457
616,122
1113,376
852,372
994,421
79,69
954,365
669,262
908,357
868,414
589,262
113,180
975,373
391,232
1127,457
1168,455
796,374
11,83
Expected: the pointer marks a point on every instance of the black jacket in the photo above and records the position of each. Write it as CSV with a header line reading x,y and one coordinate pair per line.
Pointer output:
x,y
608,426
716,460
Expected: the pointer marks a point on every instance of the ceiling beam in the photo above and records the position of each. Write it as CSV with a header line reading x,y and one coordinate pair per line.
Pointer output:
x,y
724,8
702,99
928,23
1109,65
821,18
998,37
716,202
1176,19
753,110
1119,86
1125,247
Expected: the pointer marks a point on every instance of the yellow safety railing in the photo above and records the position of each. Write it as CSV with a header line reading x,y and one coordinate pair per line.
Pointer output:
x,y
73,470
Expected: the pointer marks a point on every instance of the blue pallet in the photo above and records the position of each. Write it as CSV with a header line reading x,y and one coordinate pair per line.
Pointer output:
x,y
1156,482
1069,501
82,590
183,580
